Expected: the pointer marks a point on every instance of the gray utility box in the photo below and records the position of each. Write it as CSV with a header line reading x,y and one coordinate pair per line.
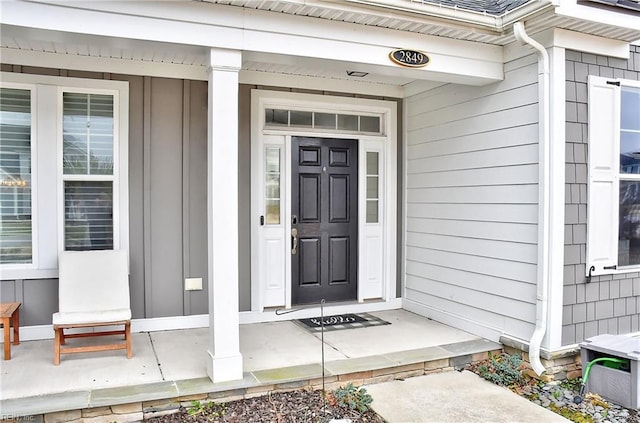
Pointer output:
x,y
619,385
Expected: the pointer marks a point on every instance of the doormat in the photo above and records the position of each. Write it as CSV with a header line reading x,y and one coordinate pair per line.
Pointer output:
x,y
342,321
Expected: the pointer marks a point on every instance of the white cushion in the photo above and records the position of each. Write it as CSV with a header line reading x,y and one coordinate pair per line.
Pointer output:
x,y
91,282
103,316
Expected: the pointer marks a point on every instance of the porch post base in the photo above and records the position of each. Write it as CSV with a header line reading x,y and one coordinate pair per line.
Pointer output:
x,y
225,368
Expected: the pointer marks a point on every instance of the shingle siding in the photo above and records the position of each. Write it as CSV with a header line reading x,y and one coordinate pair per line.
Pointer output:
x,y
610,303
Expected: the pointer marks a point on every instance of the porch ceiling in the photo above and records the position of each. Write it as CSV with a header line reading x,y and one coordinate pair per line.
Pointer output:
x,y
35,40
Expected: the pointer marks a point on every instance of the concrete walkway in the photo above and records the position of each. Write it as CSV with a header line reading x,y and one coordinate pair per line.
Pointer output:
x,y
456,397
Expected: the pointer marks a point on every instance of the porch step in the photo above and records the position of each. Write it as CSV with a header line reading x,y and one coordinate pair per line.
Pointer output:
x,y
361,370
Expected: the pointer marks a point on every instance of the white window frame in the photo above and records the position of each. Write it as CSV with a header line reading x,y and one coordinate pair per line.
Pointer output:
x,y
34,183
47,174
604,176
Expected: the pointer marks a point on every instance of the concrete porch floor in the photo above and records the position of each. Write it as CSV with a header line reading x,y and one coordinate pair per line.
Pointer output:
x,y
171,364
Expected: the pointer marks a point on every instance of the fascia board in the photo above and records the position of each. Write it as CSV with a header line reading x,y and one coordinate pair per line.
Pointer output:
x,y
616,18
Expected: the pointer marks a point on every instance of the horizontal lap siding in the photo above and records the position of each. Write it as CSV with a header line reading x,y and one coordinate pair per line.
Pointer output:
x,y
471,198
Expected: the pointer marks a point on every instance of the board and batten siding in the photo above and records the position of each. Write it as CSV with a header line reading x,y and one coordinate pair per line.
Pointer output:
x,y
471,203
167,198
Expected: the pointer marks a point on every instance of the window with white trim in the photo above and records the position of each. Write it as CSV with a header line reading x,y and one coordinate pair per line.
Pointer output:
x,y
16,229
614,176
63,158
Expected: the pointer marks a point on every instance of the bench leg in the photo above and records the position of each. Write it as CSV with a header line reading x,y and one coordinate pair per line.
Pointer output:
x,y
16,327
7,338
56,347
127,337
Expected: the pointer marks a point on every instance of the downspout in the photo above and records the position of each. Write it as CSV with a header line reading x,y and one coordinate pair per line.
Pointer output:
x,y
544,118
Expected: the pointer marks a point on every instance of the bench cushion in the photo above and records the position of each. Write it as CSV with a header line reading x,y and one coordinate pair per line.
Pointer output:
x,y
79,317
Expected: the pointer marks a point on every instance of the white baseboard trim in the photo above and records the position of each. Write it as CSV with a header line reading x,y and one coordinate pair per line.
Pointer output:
x,y
453,320
39,332
248,317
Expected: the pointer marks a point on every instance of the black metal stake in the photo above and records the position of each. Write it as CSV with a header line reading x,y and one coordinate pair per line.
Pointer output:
x,y
324,393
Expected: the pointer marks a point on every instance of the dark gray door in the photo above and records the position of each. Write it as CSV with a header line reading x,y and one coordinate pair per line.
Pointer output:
x,y
324,175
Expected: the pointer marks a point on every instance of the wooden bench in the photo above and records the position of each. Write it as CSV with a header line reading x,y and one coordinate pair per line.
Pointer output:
x,y
10,313
93,293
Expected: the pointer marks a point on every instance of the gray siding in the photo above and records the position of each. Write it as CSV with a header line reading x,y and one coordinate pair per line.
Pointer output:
x,y
167,198
471,194
610,303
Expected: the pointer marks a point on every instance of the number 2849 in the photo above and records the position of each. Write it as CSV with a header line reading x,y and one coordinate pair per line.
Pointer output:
x,y
410,58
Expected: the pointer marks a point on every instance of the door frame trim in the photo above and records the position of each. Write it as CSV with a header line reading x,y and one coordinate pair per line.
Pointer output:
x,y
386,143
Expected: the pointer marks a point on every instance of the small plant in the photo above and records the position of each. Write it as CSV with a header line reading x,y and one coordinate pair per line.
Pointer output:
x,y
502,369
571,384
573,415
209,409
557,394
351,397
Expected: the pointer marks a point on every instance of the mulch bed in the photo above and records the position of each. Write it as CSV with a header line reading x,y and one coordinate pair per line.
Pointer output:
x,y
281,407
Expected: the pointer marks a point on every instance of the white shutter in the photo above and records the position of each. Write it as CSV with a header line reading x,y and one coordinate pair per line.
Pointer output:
x,y
604,156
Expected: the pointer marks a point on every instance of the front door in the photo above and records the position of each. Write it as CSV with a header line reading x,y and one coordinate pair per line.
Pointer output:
x,y
324,219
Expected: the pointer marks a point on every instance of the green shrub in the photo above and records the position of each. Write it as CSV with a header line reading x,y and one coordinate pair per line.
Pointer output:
x,y
353,398
502,369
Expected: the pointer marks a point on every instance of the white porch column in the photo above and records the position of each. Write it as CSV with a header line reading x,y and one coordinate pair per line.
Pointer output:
x,y
224,361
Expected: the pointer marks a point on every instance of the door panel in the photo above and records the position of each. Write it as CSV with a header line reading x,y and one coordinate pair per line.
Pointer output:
x,y
310,261
324,194
310,198
339,198
338,260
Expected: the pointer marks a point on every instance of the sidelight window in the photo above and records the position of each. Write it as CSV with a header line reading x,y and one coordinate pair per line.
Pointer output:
x,y
272,185
373,186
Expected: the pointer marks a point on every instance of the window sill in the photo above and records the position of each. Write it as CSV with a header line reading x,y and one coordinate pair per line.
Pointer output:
x,y
13,274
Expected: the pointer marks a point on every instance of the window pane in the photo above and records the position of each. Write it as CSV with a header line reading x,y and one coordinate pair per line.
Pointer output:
x,y
273,212
301,118
629,152
372,187
370,124
372,163
272,186
276,117
372,211
629,233
630,112
15,176
88,215
325,120
88,134
348,122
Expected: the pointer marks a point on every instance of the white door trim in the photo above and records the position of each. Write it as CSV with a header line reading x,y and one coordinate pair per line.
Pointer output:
x,y
263,293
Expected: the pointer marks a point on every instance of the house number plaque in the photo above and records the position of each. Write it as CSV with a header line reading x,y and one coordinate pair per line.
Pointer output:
x,y
409,58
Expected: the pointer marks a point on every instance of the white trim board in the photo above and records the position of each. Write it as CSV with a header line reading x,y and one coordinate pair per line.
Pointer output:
x,y
270,242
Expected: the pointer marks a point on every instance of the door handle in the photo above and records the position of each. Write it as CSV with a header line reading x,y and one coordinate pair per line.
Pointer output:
x,y
294,241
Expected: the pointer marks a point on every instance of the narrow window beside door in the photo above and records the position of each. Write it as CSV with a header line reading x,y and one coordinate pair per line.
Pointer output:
x,y
272,185
373,189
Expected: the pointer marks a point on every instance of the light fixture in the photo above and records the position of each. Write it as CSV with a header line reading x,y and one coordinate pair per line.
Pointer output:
x,y
357,74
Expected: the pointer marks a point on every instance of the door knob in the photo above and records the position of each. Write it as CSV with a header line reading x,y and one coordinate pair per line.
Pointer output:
x,y
294,241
